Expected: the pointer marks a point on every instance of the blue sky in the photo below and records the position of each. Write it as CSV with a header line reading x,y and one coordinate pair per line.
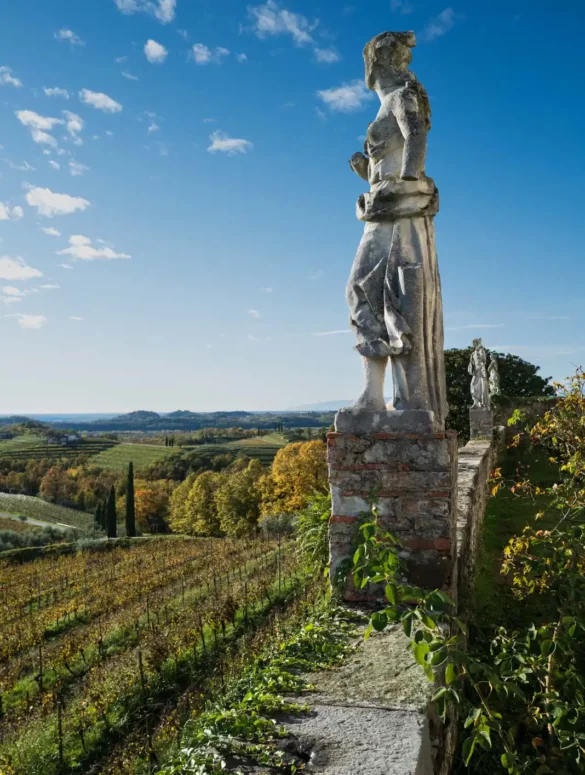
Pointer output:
x,y
207,226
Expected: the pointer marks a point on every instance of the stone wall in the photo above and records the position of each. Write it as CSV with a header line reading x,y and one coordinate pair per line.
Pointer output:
x,y
376,716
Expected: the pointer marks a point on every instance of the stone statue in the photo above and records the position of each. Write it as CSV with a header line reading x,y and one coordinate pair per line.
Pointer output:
x,y
394,290
479,378
494,377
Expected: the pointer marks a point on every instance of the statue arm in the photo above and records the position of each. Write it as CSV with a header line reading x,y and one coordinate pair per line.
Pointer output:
x,y
414,130
360,165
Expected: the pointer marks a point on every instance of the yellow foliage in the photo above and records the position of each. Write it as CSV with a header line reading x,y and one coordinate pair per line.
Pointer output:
x,y
297,472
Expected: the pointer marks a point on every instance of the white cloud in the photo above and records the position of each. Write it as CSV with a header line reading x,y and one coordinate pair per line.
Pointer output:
x,y
31,321
254,313
65,266
119,60
153,127
8,213
34,121
347,97
7,79
220,141
10,290
204,55
70,37
332,333
49,203
100,101
74,125
326,55
266,290
49,286
17,269
24,167
241,57
43,137
76,168
316,275
75,317
439,26
55,91
51,231
163,10
129,76
401,6
54,164
271,20
155,52
81,249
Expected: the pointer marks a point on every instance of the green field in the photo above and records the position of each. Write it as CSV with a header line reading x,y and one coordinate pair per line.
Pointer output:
x,y
36,508
32,447
117,457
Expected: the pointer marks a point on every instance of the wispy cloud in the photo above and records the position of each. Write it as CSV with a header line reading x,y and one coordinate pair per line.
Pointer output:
x,y
68,36
129,76
346,98
8,213
155,52
55,91
163,10
51,231
474,325
30,321
254,313
327,55
266,290
550,317
100,101
332,333
222,142
439,25
203,55
316,275
17,269
49,203
271,20
75,317
7,79
401,6
76,168
81,249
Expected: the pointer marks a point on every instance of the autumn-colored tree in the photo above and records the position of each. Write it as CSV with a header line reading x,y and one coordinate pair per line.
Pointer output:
x,y
57,486
201,506
238,500
178,517
298,471
152,505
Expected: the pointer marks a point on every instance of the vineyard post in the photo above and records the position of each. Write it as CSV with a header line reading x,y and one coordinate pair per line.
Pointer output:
x,y
246,603
60,728
40,677
141,667
278,562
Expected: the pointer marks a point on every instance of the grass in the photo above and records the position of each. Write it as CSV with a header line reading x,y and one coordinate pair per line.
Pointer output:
x,y
506,516
36,508
118,457
32,448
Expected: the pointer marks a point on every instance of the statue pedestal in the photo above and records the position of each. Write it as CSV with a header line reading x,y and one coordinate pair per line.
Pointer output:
x,y
481,423
410,466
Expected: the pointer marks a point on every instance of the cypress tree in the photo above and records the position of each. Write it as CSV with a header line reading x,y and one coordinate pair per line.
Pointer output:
x,y
130,506
111,514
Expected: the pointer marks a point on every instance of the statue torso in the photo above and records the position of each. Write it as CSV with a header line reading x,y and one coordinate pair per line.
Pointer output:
x,y
385,143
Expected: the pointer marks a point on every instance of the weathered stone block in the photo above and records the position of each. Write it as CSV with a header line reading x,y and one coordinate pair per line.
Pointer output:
x,y
481,423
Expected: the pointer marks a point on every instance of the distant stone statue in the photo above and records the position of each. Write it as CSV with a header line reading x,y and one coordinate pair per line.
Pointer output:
x,y
394,290
479,377
494,377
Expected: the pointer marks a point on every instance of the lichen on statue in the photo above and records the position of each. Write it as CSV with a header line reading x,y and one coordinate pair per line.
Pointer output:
x,y
394,290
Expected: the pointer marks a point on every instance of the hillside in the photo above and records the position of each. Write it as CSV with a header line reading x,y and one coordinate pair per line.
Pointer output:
x,y
28,447
119,456
36,508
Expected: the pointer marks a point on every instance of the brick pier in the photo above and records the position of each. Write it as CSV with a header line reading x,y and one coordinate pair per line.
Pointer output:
x,y
410,467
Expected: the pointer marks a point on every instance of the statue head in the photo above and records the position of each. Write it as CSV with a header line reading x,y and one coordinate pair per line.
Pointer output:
x,y
389,53
477,343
